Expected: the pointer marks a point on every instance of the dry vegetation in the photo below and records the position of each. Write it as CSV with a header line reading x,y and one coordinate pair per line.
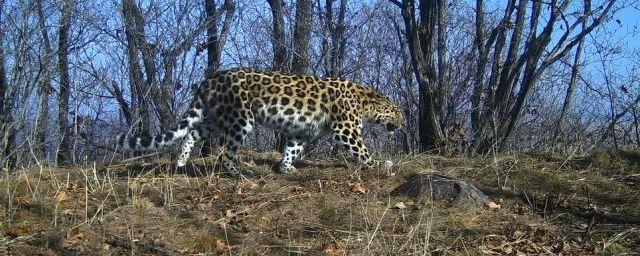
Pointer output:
x,y
549,206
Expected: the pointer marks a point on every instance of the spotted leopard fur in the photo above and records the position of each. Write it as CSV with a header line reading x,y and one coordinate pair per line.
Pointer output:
x,y
300,107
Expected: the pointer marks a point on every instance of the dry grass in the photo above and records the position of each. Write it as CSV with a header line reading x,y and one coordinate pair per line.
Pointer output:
x,y
549,206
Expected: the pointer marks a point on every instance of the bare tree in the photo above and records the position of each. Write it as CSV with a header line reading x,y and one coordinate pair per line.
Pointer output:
x,y
513,76
421,37
6,118
216,40
636,123
334,45
64,151
278,42
139,106
573,80
301,37
301,40
45,86
614,120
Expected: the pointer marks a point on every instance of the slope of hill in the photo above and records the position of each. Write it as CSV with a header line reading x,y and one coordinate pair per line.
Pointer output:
x,y
548,206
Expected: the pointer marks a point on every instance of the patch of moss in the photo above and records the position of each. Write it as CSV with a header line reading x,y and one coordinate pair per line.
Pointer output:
x,y
615,249
201,241
630,156
551,183
620,159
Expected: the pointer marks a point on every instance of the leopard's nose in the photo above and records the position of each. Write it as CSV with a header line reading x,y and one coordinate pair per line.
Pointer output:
x,y
391,127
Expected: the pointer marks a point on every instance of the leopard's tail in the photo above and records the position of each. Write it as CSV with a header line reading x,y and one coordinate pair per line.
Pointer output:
x,y
195,115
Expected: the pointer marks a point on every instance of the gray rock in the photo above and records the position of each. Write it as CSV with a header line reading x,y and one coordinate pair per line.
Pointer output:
x,y
441,187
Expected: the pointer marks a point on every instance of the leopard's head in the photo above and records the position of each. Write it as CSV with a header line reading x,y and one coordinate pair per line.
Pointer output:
x,y
385,112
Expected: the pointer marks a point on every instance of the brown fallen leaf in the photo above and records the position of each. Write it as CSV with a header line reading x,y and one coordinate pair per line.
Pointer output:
x,y
220,245
520,209
332,249
16,231
357,188
66,244
251,163
400,205
222,224
216,194
62,197
67,212
493,206
298,190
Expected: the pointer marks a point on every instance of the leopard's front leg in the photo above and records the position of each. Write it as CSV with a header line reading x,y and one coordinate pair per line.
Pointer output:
x,y
349,136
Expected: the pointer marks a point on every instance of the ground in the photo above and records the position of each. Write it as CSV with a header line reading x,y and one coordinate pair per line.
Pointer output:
x,y
548,206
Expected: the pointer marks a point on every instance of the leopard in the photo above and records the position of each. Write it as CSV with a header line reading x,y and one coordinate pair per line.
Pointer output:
x,y
300,107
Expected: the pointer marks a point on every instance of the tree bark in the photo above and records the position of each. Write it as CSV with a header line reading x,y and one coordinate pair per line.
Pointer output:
x,y
216,40
45,87
5,103
64,153
214,45
636,122
441,52
421,43
279,62
476,96
301,37
573,80
139,106
335,49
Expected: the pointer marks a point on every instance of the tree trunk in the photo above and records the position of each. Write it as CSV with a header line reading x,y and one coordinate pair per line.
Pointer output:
x,y
441,50
504,89
139,106
151,87
421,43
278,41
575,71
534,52
124,107
301,37
407,74
44,89
5,104
334,50
485,133
214,45
636,123
216,40
476,96
64,153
